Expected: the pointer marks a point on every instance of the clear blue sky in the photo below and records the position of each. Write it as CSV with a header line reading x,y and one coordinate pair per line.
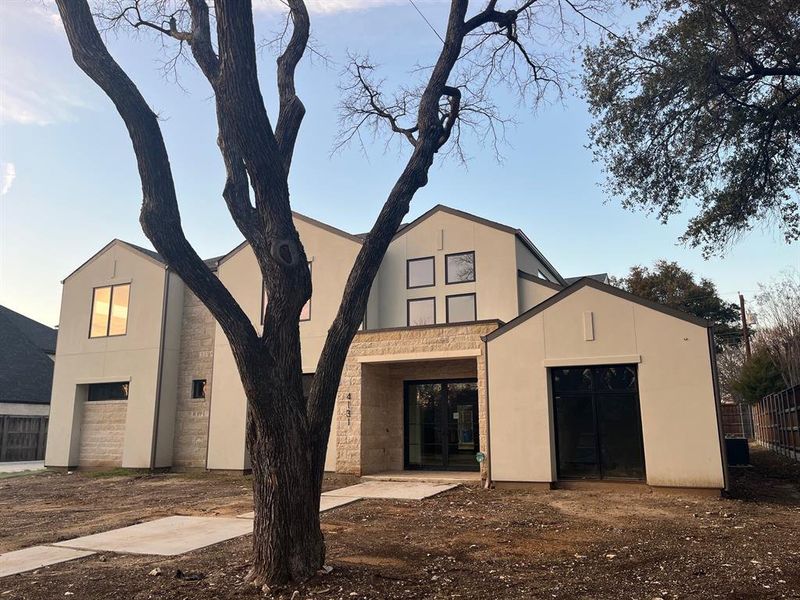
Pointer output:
x,y
69,180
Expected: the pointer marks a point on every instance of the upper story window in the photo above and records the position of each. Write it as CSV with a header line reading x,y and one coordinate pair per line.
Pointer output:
x,y
461,308
459,268
421,311
99,392
110,310
420,272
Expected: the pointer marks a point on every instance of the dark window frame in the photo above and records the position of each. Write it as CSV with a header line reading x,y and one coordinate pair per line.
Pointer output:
x,y
408,272
89,387
447,270
202,385
443,408
474,306
593,392
113,286
408,311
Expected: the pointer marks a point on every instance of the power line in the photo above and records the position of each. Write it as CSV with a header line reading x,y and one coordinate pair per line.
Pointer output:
x,y
424,18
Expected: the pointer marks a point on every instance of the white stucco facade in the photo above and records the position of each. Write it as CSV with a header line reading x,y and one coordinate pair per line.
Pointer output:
x,y
168,354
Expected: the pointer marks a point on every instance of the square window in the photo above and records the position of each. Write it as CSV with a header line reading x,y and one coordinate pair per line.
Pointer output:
x,y
198,388
420,272
422,311
461,308
459,268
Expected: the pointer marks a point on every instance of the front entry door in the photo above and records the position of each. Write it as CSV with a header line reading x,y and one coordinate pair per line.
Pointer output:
x,y
441,425
598,427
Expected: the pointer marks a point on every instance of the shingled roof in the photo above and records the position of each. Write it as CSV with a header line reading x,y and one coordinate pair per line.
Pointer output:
x,y
26,370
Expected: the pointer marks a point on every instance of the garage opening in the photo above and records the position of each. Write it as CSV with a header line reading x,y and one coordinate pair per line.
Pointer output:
x,y
597,422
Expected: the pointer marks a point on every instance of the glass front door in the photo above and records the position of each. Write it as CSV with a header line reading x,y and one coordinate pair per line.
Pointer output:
x,y
441,425
598,427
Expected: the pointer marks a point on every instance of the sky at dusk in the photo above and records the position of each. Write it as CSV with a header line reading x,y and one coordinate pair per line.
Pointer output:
x,y
68,179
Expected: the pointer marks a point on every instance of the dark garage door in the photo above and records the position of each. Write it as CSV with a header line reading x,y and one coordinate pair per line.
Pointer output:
x,y
597,421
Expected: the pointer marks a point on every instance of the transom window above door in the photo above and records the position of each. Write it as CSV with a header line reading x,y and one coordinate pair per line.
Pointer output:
x,y
420,272
460,267
110,311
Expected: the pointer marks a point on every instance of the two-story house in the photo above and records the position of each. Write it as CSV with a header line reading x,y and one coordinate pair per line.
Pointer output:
x,y
475,355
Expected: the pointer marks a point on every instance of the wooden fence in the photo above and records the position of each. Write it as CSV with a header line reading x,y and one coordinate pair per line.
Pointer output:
x,y
776,422
737,421
22,438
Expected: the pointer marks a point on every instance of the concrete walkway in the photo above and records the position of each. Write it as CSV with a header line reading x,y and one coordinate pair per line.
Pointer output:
x,y
20,467
177,535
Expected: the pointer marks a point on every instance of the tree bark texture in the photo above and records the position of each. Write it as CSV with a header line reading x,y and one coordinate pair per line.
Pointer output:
x,y
287,437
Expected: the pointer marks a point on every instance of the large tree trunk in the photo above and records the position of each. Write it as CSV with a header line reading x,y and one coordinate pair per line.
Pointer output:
x,y
287,540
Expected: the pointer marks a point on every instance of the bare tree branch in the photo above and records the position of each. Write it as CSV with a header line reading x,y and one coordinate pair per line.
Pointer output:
x,y
160,217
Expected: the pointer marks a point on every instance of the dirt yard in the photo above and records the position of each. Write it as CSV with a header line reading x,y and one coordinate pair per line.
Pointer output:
x,y
467,543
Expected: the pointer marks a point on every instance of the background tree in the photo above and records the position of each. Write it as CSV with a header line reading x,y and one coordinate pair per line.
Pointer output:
x,y
670,284
482,48
701,104
778,305
758,377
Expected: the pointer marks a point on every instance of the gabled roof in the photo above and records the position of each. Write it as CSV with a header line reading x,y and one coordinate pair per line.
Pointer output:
x,y
601,277
150,255
26,370
536,279
493,224
609,289
358,239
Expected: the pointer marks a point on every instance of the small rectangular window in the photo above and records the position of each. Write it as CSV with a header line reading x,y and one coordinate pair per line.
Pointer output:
x,y
108,391
198,388
459,268
461,308
110,310
420,272
421,311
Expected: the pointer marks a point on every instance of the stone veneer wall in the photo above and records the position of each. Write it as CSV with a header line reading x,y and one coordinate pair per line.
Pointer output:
x,y
369,404
195,362
102,433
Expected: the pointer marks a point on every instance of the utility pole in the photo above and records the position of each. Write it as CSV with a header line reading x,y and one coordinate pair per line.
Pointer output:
x,y
745,330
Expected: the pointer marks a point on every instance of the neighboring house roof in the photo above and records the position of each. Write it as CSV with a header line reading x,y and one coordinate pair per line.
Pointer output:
x,y
26,370
610,289
493,224
601,277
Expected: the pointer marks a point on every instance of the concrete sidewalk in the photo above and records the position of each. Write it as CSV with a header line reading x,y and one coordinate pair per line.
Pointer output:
x,y
177,535
20,467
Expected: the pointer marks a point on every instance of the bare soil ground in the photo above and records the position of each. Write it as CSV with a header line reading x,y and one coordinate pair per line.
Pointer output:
x,y
467,543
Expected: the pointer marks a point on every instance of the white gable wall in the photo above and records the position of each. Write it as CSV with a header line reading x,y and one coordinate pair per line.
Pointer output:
x,y
678,406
